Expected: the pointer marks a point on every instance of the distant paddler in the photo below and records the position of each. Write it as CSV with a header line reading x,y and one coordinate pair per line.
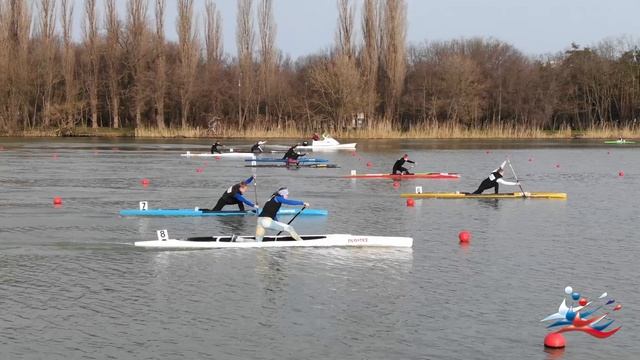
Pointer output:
x,y
268,220
257,147
398,167
235,195
291,156
494,180
215,148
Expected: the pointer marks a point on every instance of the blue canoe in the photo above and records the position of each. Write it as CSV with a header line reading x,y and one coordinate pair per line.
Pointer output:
x,y
194,212
301,160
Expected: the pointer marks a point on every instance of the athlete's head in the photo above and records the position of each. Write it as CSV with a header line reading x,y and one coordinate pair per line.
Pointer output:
x,y
283,191
243,187
406,157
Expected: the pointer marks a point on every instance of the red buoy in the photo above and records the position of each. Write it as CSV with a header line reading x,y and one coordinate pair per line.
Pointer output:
x,y
554,340
558,166
582,302
620,173
57,200
199,170
145,182
464,236
617,307
396,184
217,157
410,202
369,164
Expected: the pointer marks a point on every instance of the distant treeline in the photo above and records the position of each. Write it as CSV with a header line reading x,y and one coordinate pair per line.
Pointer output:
x,y
125,73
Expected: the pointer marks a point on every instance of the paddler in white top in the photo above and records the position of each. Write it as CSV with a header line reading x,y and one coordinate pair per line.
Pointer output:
x,y
494,179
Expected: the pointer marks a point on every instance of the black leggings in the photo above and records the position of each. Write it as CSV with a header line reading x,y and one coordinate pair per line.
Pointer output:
x,y
221,203
401,170
487,184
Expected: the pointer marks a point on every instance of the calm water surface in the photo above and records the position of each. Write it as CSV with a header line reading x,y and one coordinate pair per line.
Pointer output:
x,y
72,286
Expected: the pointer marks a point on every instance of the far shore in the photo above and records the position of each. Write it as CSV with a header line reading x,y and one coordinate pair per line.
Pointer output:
x,y
380,133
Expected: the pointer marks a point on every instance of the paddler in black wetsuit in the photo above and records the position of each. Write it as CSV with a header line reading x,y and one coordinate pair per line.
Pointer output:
x,y
494,180
268,216
398,168
292,155
215,148
257,147
233,195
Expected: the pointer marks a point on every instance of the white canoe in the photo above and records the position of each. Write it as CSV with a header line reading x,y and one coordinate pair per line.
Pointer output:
x,y
223,155
330,240
327,143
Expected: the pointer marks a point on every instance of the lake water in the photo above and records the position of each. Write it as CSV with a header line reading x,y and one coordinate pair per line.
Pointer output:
x,y
72,286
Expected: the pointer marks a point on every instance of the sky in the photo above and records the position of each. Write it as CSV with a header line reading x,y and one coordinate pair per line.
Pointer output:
x,y
535,27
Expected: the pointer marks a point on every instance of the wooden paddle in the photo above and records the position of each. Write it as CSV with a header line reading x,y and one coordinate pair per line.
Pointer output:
x,y
293,218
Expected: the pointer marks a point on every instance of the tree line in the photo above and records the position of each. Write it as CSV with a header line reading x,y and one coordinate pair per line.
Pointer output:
x,y
124,72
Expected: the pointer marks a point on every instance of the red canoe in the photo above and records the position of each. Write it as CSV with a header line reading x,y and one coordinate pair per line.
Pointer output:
x,y
406,177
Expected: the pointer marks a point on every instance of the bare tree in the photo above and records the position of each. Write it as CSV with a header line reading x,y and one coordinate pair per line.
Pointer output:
x,y
245,44
161,66
267,52
345,28
113,50
68,62
214,53
47,26
369,55
18,31
93,59
393,57
189,51
137,34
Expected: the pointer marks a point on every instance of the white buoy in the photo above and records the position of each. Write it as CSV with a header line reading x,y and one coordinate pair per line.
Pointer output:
x,y
353,173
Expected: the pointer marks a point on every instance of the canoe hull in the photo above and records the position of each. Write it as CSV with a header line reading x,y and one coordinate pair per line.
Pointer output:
x,y
516,195
231,155
350,146
406,177
331,240
280,160
201,213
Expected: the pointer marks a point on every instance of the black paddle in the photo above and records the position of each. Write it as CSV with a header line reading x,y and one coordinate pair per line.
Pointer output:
x,y
293,218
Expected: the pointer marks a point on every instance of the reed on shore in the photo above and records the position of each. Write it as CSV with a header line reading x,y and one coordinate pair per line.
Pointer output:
x,y
380,131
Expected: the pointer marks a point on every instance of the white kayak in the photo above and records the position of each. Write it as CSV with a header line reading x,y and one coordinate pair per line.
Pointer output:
x,y
329,240
327,143
223,155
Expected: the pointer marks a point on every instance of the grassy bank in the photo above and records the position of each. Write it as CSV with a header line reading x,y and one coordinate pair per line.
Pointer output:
x,y
382,131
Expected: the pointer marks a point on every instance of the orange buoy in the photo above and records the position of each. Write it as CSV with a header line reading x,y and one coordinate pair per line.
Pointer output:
x,y
464,236
57,200
145,182
554,340
410,202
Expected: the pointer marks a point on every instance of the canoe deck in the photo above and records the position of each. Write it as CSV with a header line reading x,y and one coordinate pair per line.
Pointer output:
x,y
313,166
460,195
442,175
330,240
207,212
